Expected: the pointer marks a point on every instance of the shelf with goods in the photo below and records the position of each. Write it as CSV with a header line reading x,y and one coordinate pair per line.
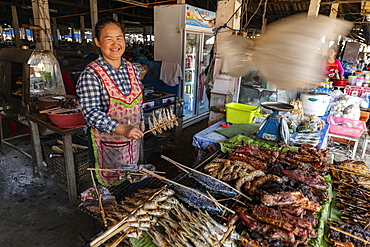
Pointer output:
x,y
190,61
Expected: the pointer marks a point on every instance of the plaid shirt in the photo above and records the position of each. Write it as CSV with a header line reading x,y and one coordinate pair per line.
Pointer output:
x,y
94,99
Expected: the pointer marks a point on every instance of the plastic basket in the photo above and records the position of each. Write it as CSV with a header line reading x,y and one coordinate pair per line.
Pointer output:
x,y
335,126
55,165
237,113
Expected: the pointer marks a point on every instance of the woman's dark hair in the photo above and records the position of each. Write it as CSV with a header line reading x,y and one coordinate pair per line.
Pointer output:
x,y
102,23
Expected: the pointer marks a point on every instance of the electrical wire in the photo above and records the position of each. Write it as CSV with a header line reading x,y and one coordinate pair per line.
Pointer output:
x,y
264,15
255,12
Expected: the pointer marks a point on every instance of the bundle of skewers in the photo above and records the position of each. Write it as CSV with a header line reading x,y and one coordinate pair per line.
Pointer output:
x,y
163,120
65,105
156,214
351,180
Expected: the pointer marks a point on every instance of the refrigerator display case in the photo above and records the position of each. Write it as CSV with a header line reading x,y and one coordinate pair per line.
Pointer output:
x,y
184,35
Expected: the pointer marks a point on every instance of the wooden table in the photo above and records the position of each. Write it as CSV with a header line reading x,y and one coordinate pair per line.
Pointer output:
x,y
37,120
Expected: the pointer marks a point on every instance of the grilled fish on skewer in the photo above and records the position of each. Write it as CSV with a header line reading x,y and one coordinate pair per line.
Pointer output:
x,y
165,119
208,181
172,115
167,113
161,120
151,126
156,123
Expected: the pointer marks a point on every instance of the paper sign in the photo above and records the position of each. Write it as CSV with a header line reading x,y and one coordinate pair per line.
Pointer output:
x,y
223,82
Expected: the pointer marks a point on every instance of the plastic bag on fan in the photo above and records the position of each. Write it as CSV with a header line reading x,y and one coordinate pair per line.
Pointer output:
x,y
291,50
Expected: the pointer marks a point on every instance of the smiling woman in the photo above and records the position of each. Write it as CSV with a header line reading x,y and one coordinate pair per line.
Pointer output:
x,y
111,97
111,42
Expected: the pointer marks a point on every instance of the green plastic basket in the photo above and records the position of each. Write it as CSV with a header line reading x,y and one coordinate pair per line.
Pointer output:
x,y
237,113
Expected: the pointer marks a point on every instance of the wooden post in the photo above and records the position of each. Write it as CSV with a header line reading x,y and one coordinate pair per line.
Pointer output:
x,y
70,167
73,32
16,26
41,18
82,27
180,1
145,36
94,20
334,10
225,9
314,8
55,32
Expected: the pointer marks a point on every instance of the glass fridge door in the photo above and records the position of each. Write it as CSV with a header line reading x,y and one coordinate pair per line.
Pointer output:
x,y
191,73
208,41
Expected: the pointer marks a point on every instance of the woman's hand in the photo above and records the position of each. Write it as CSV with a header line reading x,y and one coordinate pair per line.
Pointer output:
x,y
129,132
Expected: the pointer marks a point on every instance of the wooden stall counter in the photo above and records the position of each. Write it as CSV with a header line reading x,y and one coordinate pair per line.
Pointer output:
x,y
37,120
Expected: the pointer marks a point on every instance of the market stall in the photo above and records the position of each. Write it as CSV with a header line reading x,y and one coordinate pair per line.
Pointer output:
x,y
252,191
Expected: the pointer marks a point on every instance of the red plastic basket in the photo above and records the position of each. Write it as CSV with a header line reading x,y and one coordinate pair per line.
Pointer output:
x,y
335,126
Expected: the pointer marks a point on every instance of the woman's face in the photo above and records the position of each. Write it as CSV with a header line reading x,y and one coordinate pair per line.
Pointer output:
x,y
111,42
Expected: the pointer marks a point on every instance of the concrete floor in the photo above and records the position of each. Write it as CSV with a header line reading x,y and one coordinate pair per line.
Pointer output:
x,y
36,211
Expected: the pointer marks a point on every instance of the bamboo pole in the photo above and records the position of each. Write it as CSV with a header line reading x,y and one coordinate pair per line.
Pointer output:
x,y
74,145
120,169
58,110
185,187
161,125
355,169
101,208
50,110
349,234
118,240
226,235
355,173
355,198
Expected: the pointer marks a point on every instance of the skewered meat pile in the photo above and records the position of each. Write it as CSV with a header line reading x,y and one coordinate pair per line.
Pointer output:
x,y
250,172
286,187
351,182
348,235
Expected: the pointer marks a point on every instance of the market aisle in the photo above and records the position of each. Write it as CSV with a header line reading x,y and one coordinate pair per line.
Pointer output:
x,y
37,212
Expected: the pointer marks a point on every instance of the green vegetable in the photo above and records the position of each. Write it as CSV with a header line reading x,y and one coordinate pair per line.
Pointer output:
x,y
237,141
322,216
144,241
